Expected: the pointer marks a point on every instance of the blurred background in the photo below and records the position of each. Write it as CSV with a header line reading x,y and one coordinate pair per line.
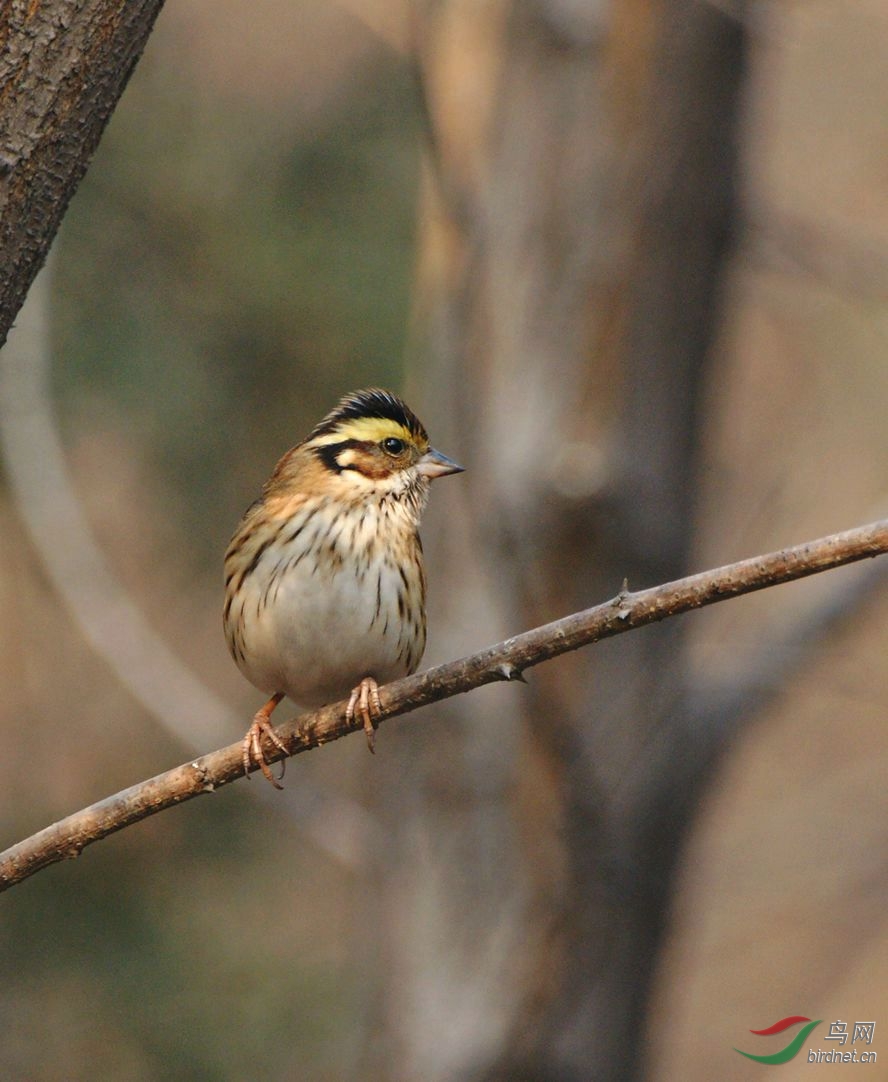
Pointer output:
x,y
629,263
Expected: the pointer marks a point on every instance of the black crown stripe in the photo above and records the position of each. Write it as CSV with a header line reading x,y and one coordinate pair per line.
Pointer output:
x,y
371,403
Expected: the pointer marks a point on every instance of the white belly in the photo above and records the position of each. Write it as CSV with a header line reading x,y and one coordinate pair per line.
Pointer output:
x,y
315,643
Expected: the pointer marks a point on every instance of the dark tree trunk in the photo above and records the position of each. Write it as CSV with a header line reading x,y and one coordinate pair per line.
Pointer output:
x,y
63,67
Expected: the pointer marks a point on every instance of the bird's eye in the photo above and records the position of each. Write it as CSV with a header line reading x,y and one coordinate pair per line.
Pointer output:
x,y
392,445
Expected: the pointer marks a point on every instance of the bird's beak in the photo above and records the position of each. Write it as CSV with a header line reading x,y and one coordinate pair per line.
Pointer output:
x,y
434,464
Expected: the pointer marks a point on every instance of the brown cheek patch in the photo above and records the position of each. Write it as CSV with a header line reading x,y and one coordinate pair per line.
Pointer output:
x,y
366,459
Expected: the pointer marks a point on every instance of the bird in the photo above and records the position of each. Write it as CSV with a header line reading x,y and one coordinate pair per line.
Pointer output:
x,y
325,585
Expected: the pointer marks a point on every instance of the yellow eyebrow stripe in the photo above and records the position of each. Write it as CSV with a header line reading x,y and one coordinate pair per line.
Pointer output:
x,y
369,429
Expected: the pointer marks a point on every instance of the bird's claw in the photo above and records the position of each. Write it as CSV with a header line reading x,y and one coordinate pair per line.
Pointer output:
x,y
251,745
364,703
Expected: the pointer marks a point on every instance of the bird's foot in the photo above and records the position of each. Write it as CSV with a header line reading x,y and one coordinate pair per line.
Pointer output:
x,y
364,703
251,745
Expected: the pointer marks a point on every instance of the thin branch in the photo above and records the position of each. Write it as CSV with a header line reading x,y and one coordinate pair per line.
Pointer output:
x,y
505,661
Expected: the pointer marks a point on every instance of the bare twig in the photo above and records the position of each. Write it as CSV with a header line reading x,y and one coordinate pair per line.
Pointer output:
x,y
505,661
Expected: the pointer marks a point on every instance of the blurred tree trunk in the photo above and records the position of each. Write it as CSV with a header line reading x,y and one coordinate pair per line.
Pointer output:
x,y
580,210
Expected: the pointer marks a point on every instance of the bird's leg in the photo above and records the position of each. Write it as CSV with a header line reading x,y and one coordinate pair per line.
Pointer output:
x,y
365,703
251,745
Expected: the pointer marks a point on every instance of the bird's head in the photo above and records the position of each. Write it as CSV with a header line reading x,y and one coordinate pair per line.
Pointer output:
x,y
373,440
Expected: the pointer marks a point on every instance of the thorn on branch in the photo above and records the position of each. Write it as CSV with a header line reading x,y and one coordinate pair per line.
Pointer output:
x,y
508,671
621,601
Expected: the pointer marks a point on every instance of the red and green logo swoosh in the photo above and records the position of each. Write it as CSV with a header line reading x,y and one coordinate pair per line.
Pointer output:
x,y
785,1054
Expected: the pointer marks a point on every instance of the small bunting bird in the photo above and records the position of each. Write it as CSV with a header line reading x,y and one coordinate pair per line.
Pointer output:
x,y
324,579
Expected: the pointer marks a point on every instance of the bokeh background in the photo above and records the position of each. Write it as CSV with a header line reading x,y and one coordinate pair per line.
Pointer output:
x,y
629,263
